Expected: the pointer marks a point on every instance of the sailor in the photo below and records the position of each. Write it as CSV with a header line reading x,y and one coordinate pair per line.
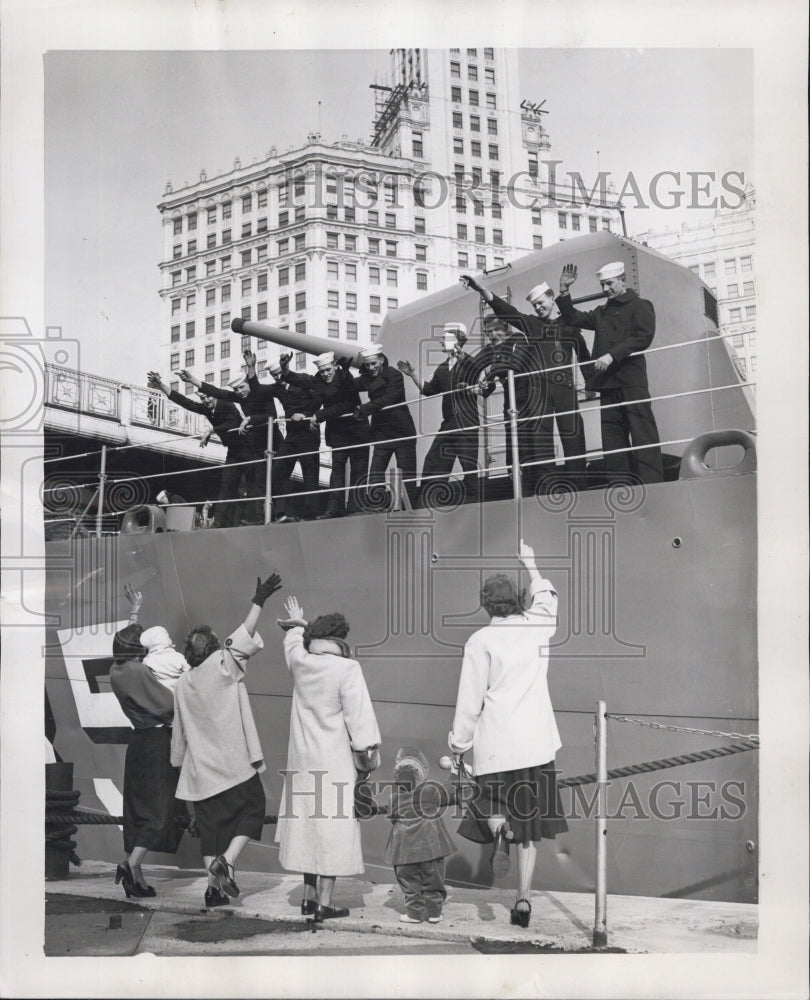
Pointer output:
x,y
301,442
558,347
346,434
455,380
624,324
507,350
392,428
225,420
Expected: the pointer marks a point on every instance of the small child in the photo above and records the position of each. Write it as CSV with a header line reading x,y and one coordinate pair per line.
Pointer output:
x,y
419,841
162,658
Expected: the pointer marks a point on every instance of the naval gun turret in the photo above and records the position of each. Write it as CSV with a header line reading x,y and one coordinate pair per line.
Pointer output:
x,y
296,341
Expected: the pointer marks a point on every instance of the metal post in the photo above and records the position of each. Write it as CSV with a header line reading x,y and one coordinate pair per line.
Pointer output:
x,y
395,484
513,431
102,476
268,475
600,916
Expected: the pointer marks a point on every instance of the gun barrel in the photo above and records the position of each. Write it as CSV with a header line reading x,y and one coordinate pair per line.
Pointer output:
x,y
296,341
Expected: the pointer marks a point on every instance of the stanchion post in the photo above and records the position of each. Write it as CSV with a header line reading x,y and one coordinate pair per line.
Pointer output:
x,y
102,476
395,482
513,432
268,475
600,916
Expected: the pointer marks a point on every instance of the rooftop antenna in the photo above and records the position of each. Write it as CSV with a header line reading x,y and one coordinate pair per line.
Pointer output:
x,y
319,116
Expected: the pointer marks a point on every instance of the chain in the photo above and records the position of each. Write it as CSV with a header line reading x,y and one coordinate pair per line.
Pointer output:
x,y
754,737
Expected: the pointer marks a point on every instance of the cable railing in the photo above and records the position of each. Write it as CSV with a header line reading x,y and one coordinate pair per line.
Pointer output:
x,y
511,422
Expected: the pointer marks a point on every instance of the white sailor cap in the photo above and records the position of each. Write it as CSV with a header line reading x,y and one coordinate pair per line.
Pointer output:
x,y
538,292
237,381
372,351
612,270
457,329
327,358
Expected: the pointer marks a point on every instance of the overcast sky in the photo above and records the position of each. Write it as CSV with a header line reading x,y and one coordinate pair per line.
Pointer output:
x,y
119,124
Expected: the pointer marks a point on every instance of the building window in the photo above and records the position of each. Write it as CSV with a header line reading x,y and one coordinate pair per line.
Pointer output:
x,y
391,278
733,291
748,288
472,72
491,101
283,193
226,263
331,213
351,331
489,53
351,301
455,95
245,258
497,237
245,343
283,219
458,120
225,349
224,376
176,278
226,211
462,259
261,282
192,247
489,76
496,210
390,220
247,229
390,248
191,273
493,152
731,266
283,276
174,362
480,262
349,242
745,264
301,326
177,252
374,303
421,281
299,243
537,242
475,123
349,214
477,176
210,296
738,340
225,295
708,271
261,312
374,276
475,148
333,300
211,241
301,271
247,286
374,331
283,247
458,146
472,52
735,315
225,321
212,216
300,361
391,303
461,231
300,300
332,241
333,328
416,144
419,224
575,222
373,217
492,127
190,358
283,305
245,312
262,200
175,334
191,223
455,70
750,312
562,220
210,268
209,378
332,270
209,324
350,272
177,227
226,236
592,224
480,236
209,353
300,213
189,330
421,251
606,225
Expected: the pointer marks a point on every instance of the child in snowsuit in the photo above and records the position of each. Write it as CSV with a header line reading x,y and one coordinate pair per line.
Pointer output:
x,y
419,841
162,658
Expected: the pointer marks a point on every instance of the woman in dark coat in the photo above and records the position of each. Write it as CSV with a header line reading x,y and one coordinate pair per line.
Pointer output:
x,y
150,807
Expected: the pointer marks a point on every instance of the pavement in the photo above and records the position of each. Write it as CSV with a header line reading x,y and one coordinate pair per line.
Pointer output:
x,y
87,914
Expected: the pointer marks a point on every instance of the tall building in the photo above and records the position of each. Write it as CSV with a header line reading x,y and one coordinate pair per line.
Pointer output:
x,y
328,237
722,251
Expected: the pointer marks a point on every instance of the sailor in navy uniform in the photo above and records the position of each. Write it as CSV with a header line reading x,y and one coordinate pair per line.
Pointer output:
x,y
624,324
455,380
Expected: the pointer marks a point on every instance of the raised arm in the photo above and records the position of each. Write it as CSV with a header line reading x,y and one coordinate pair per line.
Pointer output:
x,y
263,590
544,596
407,369
570,315
469,282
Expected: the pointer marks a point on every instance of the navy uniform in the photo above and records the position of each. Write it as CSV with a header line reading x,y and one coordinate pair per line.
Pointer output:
x,y
557,345
624,324
388,420
346,434
225,420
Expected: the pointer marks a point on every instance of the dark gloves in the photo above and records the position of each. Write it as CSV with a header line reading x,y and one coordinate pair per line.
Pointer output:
x,y
264,590
471,283
284,359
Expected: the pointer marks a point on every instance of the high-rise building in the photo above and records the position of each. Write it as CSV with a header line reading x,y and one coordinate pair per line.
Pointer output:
x,y
327,238
721,251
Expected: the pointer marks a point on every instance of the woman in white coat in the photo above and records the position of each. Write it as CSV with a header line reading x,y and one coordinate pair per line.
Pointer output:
x,y
331,718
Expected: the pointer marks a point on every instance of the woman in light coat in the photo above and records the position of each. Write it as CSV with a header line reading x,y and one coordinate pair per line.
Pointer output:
x,y
331,719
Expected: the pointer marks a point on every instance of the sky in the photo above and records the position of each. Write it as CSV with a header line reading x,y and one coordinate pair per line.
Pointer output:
x,y
120,124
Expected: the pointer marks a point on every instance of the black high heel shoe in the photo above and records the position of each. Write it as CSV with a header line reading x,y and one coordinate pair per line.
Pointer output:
x,y
308,907
329,912
220,869
520,917
123,873
500,860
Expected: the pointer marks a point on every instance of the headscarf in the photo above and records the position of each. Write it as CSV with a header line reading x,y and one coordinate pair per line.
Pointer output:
x,y
165,662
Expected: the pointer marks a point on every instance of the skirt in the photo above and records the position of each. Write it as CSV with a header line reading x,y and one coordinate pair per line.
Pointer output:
x,y
527,797
236,812
151,812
